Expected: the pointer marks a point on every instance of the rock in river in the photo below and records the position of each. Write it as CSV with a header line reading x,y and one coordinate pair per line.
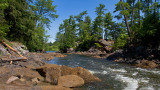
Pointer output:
x,y
70,81
147,64
53,72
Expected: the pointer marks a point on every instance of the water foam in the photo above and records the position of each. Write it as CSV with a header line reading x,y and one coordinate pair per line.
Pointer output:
x,y
132,84
135,73
97,72
117,70
104,72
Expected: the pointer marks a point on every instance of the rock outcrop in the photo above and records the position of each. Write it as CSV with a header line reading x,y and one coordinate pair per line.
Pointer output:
x,y
107,44
70,50
147,64
53,72
70,81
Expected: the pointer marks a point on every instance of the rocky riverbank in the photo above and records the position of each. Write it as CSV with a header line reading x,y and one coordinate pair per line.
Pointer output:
x,y
120,58
35,74
137,56
24,70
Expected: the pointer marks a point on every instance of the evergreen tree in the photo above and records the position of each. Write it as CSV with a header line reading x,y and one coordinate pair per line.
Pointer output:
x,y
98,23
108,25
67,34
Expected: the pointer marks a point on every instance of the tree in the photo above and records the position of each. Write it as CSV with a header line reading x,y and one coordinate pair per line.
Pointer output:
x,y
108,24
4,27
25,20
123,7
80,24
98,23
67,34
44,11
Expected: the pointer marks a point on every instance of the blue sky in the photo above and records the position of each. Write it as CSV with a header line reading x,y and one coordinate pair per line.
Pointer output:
x,y
65,8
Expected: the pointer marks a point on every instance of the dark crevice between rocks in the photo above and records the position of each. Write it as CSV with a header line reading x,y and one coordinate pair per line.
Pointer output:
x,y
41,72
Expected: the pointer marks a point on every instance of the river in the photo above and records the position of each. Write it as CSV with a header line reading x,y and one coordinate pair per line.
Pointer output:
x,y
114,76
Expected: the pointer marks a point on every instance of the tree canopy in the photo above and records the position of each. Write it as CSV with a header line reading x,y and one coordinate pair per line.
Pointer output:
x,y
25,21
137,24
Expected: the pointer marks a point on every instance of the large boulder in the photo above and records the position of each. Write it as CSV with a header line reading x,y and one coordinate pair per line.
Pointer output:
x,y
50,72
81,72
106,43
86,75
96,50
70,81
70,50
53,72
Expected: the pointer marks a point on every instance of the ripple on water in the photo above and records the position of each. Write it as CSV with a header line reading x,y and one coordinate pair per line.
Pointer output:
x,y
149,71
117,70
147,88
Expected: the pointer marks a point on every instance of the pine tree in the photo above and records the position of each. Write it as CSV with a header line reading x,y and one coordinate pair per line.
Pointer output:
x,y
98,23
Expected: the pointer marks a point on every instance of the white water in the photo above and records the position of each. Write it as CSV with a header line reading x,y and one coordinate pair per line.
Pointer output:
x,y
132,84
114,76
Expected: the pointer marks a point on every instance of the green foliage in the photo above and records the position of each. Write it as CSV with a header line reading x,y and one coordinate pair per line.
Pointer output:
x,y
4,27
121,41
123,7
53,46
98,45
108,25
67,35
149,34
98,23
25,20
124,12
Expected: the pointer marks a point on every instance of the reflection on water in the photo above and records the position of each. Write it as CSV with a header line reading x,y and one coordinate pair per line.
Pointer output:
x,y
115,76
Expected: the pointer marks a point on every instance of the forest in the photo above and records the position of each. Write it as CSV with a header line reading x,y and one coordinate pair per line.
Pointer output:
x,y
137,26
26,21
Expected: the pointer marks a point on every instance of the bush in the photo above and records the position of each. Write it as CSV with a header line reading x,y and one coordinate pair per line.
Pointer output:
x,y
120,42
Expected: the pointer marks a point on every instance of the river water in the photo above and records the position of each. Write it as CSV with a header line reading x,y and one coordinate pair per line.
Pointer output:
x,y
114,76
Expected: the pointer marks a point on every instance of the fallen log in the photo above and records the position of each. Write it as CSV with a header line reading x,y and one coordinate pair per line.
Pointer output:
x,y
11,48
13,59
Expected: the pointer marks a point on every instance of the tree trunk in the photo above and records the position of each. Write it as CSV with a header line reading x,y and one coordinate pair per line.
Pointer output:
x,y
127,25
126,22
132,13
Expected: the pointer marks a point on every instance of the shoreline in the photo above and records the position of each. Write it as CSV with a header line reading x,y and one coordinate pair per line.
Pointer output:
x,y
119,58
